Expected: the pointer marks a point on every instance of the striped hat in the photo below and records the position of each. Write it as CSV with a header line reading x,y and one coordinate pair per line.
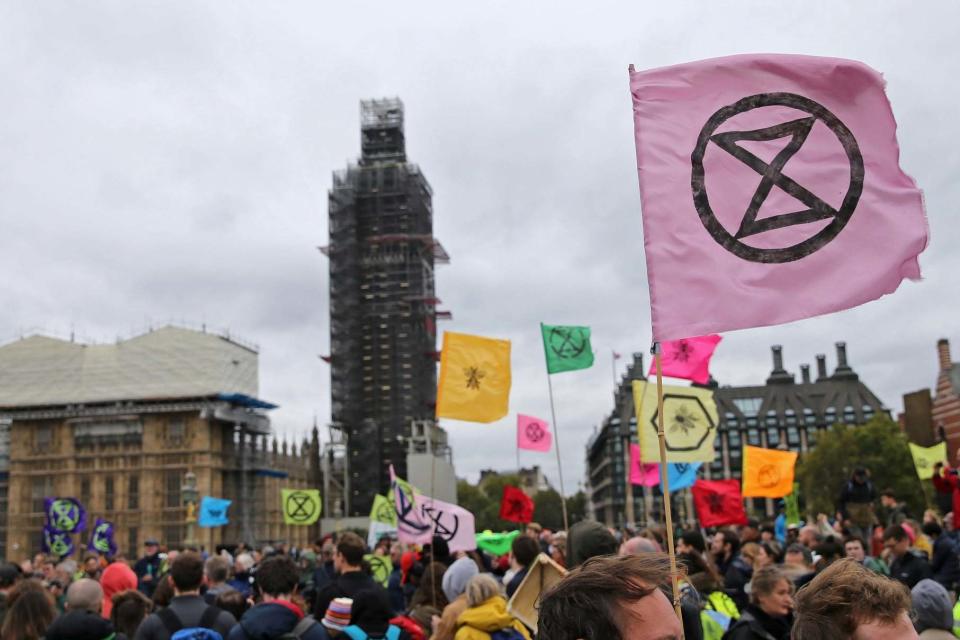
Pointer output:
x,y
337,617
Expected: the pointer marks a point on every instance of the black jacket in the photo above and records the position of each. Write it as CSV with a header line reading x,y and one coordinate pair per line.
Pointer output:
x,y
79,625
945,563
910,568
754,624
861,493
346,586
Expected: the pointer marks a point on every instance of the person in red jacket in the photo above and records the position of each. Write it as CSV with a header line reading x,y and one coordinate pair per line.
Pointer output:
x,y
947,483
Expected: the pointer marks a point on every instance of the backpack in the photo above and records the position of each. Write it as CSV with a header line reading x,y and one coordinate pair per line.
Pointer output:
x,y
303,626
508,633
202,631
356,633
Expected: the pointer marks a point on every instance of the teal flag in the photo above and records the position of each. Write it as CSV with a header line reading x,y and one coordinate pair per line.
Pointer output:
x,y
213,512
682,474
567,348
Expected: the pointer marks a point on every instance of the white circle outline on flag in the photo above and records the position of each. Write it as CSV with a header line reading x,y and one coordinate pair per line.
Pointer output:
x,y
821,238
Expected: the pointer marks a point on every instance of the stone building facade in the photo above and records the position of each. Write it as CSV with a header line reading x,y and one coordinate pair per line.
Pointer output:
x,y
120,426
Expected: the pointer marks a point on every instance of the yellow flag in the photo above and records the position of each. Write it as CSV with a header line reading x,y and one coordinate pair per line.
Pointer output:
x,y
474,378
689,422
925,457
767,473
300,506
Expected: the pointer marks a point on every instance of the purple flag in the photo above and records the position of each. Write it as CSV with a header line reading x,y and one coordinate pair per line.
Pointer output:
x,y
101,540
58,543
65,514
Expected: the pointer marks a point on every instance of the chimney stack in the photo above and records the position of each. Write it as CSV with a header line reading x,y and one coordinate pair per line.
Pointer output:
x,y
843,369
779,375
943,353
821,367
805,373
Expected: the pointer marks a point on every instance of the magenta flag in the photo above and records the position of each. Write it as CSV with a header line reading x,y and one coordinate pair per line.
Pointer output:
x,y
645,475
533,433
771,191
687,358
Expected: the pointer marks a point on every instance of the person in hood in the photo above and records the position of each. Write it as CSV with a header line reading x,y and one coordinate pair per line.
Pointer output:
x,y
82,620
116,578
370,618
186,610
277,615
454,586
487,613
932,611
588,539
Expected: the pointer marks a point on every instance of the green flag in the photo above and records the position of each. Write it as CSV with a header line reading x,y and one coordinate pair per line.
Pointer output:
x,y
496,543
300,506
792,502
382,511
567,348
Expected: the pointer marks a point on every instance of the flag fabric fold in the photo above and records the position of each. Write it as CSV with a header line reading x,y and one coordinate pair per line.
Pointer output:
x,y
767,473
682,475
516,506
763,177
101,539
421,517
791,503
213,512
58,543
567,348
688,358
642,474
497,544
718,502
533,434
690,422
925,457
474,380
65,514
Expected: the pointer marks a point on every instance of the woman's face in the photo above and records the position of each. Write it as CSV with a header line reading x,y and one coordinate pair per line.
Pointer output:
x,y
762,558
779,602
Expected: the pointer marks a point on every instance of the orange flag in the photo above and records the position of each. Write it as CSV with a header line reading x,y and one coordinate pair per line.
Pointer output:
x,y
767,473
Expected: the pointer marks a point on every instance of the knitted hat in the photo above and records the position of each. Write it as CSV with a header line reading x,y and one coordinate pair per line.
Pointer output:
x,y
337,617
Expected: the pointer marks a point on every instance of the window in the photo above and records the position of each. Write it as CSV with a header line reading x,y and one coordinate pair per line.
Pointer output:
x,y
172,536
176,430
793,436
808,417
40,489
85,493
753,437
42,437
748,406
172,486
133,492
773,437
108,494
133,542
733,437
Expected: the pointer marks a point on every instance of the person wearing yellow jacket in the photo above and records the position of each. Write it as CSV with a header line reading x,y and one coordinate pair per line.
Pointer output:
x,y
486,613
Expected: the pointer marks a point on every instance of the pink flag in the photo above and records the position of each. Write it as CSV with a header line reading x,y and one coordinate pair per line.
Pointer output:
x,y
421,517
645,475
533,433
688,358
771,191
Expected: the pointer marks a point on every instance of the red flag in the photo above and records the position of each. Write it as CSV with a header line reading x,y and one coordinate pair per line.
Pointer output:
x,y
718,502
516,505
688,358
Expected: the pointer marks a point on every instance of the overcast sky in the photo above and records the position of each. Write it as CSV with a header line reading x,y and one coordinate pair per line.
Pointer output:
x,y
170,161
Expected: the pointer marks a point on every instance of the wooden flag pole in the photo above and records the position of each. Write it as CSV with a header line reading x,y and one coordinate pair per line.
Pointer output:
x,y
556,445
665,485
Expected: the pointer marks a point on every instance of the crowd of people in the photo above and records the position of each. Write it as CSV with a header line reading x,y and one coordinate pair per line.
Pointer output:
x,y
847,577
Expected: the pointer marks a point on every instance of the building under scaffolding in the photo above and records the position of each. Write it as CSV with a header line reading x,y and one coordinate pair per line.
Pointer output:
x,y
383,305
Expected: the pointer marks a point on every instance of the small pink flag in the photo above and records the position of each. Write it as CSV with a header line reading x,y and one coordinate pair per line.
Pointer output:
x,y
770,190
533,433
645,475
687,358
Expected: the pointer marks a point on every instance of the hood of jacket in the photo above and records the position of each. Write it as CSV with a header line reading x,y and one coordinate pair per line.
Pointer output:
x,y
456,577
79,625
931,602
489,617
269,620
116,578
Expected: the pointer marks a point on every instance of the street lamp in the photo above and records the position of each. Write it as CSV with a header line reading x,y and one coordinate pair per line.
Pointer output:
x,y
189,495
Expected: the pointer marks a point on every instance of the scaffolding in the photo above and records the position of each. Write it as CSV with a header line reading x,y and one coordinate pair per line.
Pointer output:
x,y
382,303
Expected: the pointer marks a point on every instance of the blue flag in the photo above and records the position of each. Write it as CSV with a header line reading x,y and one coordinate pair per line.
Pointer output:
x,y
213,512
682,474
101,539
58,543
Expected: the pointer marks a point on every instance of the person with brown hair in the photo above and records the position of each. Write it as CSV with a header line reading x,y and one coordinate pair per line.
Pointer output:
x,y
769,615
30,612
130,609
849,602
612,598
350,580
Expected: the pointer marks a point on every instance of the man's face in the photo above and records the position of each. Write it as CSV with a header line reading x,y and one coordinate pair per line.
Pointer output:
x,y
766,536
888,502
683,547
854,550
338,562
794,558
650,618
151,549
902,629
897,547
716,543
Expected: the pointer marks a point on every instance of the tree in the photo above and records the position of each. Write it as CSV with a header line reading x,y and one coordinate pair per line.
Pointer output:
x,y
879,446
